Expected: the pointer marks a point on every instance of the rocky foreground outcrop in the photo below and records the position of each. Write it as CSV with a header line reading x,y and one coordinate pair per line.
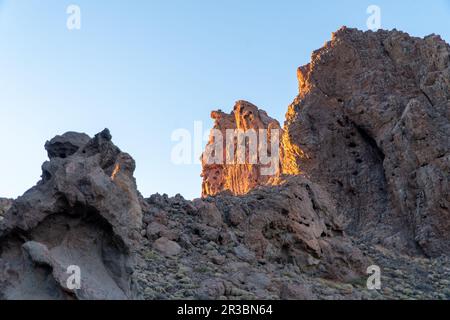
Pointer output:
x,y
372,121
5,204
84,212
266,245
232,246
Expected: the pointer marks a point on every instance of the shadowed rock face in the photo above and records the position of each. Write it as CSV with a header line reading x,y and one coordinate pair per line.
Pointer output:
x,y
234,176
66,145
239,245
5,204
372,124
295,222
84,212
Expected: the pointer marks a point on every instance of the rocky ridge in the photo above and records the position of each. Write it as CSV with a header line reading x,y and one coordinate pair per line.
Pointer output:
x,y
87,212
215,260
293,224
371,126
5,204
374,110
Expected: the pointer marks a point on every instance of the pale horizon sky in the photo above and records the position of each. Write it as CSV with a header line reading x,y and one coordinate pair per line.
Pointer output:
x,y
146,68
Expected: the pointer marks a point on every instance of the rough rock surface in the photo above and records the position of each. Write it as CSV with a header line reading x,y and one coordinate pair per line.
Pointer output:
x,y
245,248
5,204
235,176
371,124
233,246
84,212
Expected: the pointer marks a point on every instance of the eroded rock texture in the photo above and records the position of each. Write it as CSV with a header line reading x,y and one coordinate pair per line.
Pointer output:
x,y
371,124
84,212
276,242
238,246
239,177
5,204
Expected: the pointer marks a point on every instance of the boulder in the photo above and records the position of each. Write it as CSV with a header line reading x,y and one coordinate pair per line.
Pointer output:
x,y
5,204
167,247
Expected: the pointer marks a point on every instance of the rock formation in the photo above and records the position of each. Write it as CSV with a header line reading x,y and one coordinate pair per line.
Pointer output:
x,y
85,212
222,172
293,225
276,242
5,204
372,124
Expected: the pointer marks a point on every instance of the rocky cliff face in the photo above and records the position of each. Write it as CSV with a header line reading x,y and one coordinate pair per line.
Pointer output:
x,y
5,204
372,124
229,247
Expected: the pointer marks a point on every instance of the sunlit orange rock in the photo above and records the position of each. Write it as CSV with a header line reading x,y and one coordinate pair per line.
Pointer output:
x,y
230,174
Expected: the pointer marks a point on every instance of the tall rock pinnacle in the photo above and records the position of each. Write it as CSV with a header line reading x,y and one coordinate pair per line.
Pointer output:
x,y
228,174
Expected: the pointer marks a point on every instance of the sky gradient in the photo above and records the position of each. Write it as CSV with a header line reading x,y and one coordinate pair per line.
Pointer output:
x,y
146,68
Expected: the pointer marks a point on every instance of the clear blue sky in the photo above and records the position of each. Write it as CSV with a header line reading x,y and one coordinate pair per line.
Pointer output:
x,y
146,68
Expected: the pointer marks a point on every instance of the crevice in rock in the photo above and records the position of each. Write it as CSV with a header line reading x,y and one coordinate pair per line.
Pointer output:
x,y
427,97
371,142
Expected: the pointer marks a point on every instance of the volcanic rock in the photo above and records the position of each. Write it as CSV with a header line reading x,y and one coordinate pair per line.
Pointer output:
x,y
167,247
293,223
84,212
371,125
5,204
66,144
227,173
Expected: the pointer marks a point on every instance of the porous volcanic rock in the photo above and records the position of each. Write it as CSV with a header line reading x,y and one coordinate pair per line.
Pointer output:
x,y
371,125
294,222
84,212
5,204
65,145
239,177
233,245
